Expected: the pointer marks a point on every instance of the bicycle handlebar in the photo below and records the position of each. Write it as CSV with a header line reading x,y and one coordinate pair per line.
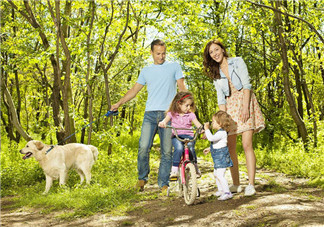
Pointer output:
x,y
186,140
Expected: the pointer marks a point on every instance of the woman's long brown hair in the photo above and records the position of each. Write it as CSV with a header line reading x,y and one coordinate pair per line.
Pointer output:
x,y
211,67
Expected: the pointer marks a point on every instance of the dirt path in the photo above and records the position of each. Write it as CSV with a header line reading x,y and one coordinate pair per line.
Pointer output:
x,y
280,201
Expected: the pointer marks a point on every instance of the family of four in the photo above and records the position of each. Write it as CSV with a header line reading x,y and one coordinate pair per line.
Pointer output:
x,y
239,114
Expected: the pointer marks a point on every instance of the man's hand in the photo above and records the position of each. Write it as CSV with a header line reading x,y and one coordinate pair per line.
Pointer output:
x,y
115,107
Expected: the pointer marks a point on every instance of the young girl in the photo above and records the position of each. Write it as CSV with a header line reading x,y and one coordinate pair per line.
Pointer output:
x,y
181,114
222,122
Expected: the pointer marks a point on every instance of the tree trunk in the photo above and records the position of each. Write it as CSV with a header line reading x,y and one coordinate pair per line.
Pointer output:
x,y
66,67
322,74
307,94
67,89
56,87
85,116
14,113
313,115
285,70
92,8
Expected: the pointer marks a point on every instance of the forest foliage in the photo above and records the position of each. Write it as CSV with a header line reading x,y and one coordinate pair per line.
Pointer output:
x,y
64,63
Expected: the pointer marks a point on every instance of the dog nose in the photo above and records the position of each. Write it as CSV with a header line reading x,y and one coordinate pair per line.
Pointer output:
x,y
20,151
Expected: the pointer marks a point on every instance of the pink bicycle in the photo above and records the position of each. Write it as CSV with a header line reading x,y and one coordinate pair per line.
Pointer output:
x,y
187,180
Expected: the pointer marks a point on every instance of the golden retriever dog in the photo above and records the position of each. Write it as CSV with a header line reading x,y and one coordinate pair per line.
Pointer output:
x,y
57,162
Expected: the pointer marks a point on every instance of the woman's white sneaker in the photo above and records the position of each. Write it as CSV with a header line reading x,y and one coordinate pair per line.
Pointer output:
x,y
249,190
236,188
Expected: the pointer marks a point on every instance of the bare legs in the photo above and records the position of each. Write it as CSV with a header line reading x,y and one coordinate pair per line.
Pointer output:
x,y
249,156
231,143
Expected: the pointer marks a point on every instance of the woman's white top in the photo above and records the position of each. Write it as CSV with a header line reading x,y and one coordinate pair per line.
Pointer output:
x,y
219,139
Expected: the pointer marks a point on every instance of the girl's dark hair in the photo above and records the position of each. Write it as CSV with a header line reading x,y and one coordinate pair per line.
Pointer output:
x,y
180,98
211,67
224,120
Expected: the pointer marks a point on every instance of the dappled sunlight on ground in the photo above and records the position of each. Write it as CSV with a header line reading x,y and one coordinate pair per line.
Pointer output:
x,y
280,201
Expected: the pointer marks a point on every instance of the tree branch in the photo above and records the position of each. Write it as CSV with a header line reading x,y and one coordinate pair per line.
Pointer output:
x,y
290,15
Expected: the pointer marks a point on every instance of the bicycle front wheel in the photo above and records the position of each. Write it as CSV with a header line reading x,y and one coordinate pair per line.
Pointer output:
x,y
180,186
190,188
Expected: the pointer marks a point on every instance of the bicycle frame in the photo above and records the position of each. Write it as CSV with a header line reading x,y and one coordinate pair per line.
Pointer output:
x,y
184,161
185,157
188,181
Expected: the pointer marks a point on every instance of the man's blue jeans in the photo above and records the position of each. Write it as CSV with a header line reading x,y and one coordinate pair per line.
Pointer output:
x,y
149,129
179,149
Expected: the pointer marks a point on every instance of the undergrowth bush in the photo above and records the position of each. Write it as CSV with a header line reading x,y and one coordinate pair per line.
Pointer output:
x,y
292,159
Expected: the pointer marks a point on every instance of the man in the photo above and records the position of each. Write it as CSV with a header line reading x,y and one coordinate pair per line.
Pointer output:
x,y
161,79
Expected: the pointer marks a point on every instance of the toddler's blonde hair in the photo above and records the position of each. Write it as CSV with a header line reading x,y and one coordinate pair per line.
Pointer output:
x,y
224,120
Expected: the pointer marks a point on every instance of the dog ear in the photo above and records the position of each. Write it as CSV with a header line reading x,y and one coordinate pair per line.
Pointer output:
x,y
39,145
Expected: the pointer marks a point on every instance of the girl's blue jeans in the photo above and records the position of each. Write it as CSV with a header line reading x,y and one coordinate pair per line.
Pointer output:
x,y
179,149
149,129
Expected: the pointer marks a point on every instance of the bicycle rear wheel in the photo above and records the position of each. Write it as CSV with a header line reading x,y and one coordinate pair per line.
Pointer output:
x,y
190,188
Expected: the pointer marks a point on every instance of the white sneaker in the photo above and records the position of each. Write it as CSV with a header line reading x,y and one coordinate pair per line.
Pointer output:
x,y
249,190
198,173
174,176
236,188
218,193
226,196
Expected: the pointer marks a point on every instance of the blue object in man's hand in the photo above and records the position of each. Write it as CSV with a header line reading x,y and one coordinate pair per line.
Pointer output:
x,y
114,113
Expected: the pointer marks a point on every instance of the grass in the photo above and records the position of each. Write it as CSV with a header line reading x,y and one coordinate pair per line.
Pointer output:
x,y
111,190
292,159
273,186
114,176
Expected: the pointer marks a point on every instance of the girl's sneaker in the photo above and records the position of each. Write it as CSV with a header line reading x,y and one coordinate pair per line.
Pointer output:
x,y
174,176
226,196
198,173
249,190
218,193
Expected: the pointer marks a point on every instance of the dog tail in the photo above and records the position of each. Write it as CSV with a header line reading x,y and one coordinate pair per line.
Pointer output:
x,y
94,152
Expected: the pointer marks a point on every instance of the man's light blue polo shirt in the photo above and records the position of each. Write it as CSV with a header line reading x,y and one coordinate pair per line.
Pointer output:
x,y
161,81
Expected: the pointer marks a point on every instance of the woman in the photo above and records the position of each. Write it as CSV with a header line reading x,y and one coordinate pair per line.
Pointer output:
x,y
234,95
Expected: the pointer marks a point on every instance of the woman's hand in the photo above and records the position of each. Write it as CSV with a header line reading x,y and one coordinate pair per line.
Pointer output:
x,y
206,150
245,113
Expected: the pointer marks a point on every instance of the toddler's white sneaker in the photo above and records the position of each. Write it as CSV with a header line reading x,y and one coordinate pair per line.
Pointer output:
x,y
236,188
249,190
226,196
218,193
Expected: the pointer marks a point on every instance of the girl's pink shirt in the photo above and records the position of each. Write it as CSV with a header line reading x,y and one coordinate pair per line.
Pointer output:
x,y
184,121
